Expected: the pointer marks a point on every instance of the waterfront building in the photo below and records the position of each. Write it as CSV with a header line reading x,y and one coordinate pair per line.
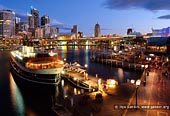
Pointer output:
x,y
66,36
45,20
158,45
7,23
164,32
97,30
133,33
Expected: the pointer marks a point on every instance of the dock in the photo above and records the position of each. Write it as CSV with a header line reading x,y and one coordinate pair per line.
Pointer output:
x,y
118,63
79,77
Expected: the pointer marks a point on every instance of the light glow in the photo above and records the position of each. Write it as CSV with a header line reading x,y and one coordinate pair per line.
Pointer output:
x,y
138,82
132,81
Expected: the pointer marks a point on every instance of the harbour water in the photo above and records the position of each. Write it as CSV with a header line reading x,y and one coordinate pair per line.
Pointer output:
x,y
16,101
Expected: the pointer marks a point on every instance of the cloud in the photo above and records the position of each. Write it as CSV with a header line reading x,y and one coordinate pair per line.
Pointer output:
x,y
152,5
105,29
164,17
63,27
60,25
56,22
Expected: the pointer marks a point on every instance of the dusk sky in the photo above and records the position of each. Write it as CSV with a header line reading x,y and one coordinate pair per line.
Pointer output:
x,y
114,16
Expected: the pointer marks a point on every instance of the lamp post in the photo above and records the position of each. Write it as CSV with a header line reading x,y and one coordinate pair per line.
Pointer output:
x,y
64,59
137,83
145,67
86,74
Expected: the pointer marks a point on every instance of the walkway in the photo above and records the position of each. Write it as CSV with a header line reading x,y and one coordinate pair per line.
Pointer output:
x,y
154,98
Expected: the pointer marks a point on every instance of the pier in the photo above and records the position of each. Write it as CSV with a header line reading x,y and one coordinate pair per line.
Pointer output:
x,y
117,63
126,60
79,77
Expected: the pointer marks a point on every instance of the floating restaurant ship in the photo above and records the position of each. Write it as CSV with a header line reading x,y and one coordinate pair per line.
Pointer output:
x,y
31,64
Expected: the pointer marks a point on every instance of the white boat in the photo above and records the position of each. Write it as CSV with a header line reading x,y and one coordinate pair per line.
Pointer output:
x,y
35,66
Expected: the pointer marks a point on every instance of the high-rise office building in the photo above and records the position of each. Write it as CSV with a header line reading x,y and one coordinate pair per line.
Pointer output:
x,y
97,30
57,30
23,26
35,14
31,24
17,21
46,31
45,20
7,23
31,21
74,29
39,32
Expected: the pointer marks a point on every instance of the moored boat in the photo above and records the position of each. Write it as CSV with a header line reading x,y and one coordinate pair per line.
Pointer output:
x,y
35,66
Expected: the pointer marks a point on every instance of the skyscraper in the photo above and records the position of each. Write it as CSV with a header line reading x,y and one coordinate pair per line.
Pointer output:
x,y
23,26
31,21
31,24
45,20
7,23
74,29
17,21
97,30
35,14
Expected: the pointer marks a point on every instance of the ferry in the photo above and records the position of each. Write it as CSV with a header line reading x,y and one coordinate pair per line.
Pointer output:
x,y
33,65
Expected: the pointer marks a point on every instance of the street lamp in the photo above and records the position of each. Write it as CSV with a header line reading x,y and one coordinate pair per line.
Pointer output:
x,y
85,65
64,59
145,67
86,74
137,83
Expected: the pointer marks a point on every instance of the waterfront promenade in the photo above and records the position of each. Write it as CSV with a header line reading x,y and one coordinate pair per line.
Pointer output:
x,y
153,99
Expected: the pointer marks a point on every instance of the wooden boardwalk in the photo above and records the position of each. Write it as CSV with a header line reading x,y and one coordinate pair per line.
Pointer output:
x,y
118,63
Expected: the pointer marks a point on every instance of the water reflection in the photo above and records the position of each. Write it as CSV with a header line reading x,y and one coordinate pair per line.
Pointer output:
x,y
86,55
16,97
75,91
82,56
64,50
120,75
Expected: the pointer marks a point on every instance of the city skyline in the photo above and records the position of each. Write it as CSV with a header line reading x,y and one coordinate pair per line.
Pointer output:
x,y
114,16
